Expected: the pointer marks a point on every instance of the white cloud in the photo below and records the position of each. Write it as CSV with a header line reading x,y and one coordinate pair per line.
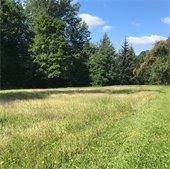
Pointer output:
x,y
144,40
106,28
166,20
91,20
135,23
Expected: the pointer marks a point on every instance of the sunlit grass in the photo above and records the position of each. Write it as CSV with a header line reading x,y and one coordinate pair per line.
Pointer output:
x,y
109,127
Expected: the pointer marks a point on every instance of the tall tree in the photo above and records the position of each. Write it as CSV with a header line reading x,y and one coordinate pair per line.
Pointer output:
x,y
60,41
14,44
156,64
101,63
126,64
49,46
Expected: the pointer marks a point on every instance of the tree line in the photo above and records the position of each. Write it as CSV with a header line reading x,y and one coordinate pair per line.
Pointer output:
x,y
44,43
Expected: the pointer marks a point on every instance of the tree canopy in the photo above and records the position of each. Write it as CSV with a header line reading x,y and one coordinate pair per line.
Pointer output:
x,y
44,43
101,63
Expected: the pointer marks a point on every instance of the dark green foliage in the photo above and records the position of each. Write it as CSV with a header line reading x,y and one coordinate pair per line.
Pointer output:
x,y
126,64
14,45
48,46
60,42
101,63
77,37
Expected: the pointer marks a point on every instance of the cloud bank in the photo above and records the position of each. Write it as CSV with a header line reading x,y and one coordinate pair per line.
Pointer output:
x,y
144,40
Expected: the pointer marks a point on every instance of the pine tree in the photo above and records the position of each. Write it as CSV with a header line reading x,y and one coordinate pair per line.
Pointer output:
x,y
126,64
48,45
60,42
101,63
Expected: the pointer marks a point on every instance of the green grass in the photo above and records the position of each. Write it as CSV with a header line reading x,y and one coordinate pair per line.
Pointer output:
x,y
121,127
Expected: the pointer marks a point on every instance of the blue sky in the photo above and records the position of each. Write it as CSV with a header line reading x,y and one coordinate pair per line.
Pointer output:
x,y
142,21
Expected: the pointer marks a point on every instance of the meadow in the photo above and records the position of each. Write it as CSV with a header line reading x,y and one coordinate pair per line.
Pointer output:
x,y
117,127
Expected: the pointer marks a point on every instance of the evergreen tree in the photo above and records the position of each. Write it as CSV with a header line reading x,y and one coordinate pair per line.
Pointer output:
x,y
126,64
77,37
101,63
49,46
60,42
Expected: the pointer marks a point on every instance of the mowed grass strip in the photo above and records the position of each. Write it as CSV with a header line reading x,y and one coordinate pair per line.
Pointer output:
x,y
109,127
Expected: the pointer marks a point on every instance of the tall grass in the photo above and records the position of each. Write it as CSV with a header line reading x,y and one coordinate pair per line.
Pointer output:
x,y
109,127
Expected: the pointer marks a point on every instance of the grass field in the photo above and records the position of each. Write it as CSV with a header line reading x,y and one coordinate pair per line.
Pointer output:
x,y
126,127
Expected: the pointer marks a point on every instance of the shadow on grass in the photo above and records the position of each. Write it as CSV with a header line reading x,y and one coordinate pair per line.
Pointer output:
x,y
27,95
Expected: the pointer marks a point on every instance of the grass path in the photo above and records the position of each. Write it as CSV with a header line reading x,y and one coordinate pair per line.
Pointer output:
x,y
123,127
141,140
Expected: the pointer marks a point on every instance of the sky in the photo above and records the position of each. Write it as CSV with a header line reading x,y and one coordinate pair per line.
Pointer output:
x,y
142,22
